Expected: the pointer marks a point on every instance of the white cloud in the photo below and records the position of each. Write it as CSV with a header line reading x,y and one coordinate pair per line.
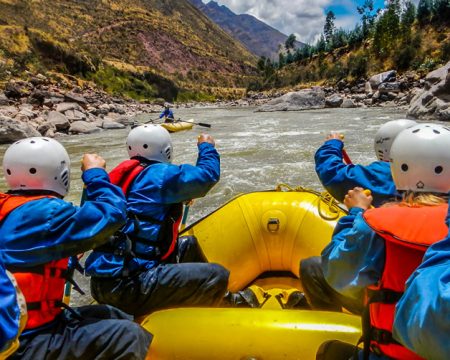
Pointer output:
x,y
305,18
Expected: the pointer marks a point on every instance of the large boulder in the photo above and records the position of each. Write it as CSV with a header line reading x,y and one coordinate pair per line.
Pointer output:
x,y
12,130
383,77
295,101
111,125
83,127
334,101
433,101
59,120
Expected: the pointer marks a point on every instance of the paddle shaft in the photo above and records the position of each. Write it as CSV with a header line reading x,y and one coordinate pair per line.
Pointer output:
x,y
346,158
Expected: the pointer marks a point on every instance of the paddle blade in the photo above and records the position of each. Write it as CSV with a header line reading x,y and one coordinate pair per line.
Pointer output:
x,y
204,125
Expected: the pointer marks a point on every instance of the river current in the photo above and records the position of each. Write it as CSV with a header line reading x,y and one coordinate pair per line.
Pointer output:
x,y
258,150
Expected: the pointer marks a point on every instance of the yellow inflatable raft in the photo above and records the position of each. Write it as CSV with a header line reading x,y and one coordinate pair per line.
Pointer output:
x,y
261,238
177,126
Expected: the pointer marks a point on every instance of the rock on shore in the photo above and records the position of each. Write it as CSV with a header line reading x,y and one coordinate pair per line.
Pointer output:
x,y
42,107
433,102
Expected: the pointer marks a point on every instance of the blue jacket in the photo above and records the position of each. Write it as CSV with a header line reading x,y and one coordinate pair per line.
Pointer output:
x,y
151,194
9,311
50,229
422,319
166,113
338,178
354,259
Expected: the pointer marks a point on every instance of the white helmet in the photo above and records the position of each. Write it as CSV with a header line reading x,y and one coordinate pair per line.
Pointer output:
x,y
386,134
421,159
151,142
37,163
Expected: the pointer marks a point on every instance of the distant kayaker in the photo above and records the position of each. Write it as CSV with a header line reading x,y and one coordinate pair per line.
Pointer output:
x,y
422,316
13,313
338,178
146,267
39,231
374,251
167,114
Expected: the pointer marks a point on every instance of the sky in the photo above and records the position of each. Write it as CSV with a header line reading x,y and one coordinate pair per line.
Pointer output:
x,y
304,18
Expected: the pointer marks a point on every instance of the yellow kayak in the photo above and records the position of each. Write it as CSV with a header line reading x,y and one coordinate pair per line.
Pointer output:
x,y
261,238
177,126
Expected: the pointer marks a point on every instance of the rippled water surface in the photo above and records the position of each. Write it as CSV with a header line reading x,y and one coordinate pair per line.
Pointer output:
x,y
258,150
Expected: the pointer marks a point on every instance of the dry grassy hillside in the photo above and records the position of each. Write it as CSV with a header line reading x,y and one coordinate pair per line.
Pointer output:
x,y
156,44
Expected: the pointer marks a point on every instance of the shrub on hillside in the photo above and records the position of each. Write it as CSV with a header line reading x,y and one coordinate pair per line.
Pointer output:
x,y
357,65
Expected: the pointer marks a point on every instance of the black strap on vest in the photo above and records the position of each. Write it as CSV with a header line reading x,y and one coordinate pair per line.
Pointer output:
x,y
370,333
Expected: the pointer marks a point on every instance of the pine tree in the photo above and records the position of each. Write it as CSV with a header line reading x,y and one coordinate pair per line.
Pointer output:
x,y
290,42
424,11
367,17
441,11
329,28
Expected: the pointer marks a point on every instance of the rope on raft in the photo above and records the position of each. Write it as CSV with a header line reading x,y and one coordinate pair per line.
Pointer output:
x,y
325,197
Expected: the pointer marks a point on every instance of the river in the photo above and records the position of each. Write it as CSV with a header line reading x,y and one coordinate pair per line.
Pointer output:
x,y
258,150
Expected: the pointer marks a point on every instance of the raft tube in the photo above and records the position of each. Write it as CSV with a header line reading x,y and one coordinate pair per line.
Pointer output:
x,y
177,126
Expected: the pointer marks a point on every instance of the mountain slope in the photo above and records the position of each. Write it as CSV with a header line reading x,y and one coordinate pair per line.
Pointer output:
x,y
169,39
260,38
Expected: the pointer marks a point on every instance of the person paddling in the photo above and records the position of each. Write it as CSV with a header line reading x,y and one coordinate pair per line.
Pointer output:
x,y
422,316
167,114
145,267
39,231
338,178
374,251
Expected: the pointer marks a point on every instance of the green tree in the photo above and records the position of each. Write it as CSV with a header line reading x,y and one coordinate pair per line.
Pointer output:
x,y
424,10
366,10
329,28
290,42
441,11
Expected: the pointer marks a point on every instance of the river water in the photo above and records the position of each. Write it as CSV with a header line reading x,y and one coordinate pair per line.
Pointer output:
x,y
258,150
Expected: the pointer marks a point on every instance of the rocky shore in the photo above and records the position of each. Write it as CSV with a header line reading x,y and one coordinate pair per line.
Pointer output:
x,y
41,106
427,98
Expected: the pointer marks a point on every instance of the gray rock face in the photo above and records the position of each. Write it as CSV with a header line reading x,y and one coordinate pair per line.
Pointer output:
x,y
334,101
348,103
389,87
65,106
59,120
107,124
12,130
433,101
377,79
82,127
295,101
3,99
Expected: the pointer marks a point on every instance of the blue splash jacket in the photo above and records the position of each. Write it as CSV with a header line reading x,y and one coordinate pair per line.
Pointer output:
x,y
338,178
166,113
50,229
422,318
9,311
151,194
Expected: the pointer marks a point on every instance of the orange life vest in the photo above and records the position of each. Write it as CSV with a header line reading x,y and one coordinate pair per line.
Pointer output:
x,y
123,175
43,285
408,232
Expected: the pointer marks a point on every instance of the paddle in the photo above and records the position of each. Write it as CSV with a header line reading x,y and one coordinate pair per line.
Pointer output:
x,y
345,156
196,123
75,259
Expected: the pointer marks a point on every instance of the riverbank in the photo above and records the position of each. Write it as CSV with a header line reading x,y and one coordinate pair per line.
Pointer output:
x,y
41,106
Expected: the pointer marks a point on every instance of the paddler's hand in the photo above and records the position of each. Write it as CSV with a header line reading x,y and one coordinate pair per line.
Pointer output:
x,y
205,138
336,136
91,161
358,197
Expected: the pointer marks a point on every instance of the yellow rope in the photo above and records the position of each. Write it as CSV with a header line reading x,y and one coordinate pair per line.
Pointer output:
x,y
325,197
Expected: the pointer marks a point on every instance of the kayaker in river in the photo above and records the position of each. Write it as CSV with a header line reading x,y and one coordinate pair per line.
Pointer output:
x,y
374,251
39,231
13,313
167,114
146,267
338,178
422,316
